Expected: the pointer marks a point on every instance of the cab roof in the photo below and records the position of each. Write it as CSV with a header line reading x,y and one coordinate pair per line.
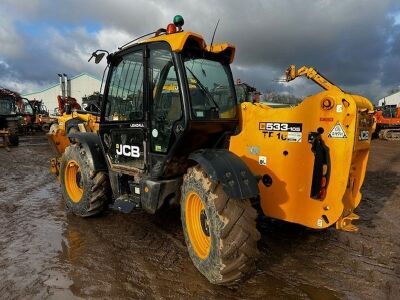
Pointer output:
x,y
179,40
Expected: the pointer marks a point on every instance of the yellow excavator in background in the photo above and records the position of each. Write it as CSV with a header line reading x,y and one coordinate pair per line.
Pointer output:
x,y
176,132
69,122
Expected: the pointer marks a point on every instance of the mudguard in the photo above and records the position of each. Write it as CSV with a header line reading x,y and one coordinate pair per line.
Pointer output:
x,y
227,168
72,123
90,143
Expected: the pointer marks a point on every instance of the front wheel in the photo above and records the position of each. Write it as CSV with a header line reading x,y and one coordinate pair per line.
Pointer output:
x,y
220,232
84,190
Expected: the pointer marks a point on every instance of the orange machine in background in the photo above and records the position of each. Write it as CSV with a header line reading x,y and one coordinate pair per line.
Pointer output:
x,y
388,122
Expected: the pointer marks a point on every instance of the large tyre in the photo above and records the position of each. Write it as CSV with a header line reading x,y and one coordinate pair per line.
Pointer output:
x,y
84,190
220,232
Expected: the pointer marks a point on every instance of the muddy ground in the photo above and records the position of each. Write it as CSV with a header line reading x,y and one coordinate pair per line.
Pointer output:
x,y
45,253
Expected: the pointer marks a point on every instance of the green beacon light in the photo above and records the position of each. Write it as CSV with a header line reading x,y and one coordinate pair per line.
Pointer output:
x,y
178,21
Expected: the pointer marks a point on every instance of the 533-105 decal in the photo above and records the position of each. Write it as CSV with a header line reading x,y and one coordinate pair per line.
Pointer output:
x,y
291,132
276,126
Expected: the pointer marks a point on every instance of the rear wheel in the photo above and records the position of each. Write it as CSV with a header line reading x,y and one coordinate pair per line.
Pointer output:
x,y
84,190
220,232
45,127
13,129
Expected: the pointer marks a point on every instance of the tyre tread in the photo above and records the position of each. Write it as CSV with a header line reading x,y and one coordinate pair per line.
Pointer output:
x,y
238,235
98,185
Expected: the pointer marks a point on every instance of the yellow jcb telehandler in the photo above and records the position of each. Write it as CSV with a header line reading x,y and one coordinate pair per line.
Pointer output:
x,y
195,144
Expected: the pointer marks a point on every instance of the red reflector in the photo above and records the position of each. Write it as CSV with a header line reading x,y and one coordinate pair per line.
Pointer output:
x,y
171,28
322,193
323,182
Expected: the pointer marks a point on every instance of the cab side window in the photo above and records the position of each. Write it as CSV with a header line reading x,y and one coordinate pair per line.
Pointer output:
x,y
125,95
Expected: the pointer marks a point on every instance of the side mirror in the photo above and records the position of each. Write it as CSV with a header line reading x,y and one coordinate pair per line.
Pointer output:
x,y
99,57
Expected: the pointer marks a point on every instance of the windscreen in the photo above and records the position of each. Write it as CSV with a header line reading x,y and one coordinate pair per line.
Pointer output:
x,y
211,89
6,106
24,107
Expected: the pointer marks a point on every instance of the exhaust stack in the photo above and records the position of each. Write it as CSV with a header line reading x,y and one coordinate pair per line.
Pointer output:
x,y
67,86
62,87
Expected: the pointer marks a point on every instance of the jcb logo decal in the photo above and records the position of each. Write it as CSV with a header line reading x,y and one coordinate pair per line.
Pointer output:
x,y
127,150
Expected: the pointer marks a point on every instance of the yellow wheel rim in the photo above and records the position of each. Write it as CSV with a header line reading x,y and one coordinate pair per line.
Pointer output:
x,y
197,225
73,181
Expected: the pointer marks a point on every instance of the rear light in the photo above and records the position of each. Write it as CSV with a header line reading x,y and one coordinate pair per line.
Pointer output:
x,y
323,182
321,169
322,193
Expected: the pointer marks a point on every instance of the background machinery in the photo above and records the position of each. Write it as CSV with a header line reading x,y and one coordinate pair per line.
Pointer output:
x,y
171,129
65,100
10,120
41,118
245,92
388,122
92,102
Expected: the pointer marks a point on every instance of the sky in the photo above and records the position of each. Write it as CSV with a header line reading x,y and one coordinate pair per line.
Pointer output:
x,y
354,43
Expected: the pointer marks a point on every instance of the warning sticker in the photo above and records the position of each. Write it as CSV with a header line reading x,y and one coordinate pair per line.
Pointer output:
x,y
294,137
337,132
262,160
364,135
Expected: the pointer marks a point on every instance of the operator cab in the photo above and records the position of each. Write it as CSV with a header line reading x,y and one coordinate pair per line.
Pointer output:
x,y
165,98
389,111
24,107
7,106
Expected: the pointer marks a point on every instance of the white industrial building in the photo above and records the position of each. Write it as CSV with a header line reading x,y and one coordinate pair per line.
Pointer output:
x,y
79,86
393,99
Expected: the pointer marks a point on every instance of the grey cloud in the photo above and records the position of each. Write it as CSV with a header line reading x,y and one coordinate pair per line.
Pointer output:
x,y
354,43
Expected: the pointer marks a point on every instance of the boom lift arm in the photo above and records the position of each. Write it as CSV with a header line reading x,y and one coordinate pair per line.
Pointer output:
x,y
291,74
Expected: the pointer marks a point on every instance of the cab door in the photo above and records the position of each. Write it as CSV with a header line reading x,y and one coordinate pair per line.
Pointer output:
x,y
123,126
165,106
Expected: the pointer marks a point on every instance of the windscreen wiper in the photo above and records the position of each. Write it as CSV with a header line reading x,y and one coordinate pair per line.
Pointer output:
x,y
204,89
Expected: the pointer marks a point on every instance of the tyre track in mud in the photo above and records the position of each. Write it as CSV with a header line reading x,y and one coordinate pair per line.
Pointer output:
x,y
45,253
